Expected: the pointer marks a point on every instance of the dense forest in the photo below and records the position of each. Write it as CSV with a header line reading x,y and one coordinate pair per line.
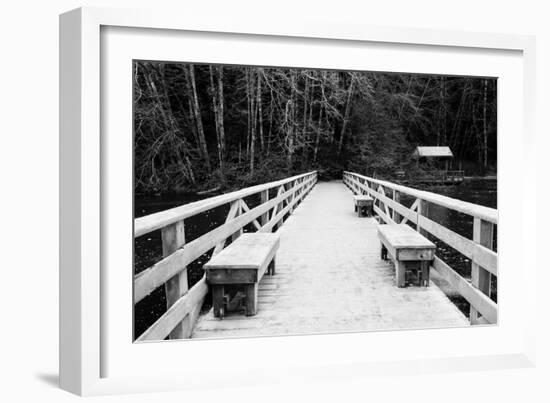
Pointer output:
x,y
199,127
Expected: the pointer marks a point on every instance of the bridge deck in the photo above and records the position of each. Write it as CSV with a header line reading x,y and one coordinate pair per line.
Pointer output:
x,y
330,279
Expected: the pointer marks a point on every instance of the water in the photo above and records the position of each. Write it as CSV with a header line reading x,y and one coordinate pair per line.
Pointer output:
x,y
478,191
148,248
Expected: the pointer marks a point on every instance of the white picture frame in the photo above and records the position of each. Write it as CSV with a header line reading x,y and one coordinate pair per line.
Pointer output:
x,y
82,171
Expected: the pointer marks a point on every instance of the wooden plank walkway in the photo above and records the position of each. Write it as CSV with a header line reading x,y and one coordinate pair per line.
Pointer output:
x,y
330,278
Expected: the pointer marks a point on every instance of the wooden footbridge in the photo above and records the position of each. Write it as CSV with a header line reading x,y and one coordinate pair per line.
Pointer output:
x,y
329,273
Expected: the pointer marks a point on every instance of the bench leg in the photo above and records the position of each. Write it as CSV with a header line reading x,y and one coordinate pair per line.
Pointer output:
x,y
425,266
251,291
383,252
217,300
271,267
400,273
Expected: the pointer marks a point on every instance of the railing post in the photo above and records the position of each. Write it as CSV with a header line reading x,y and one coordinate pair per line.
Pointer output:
x,y
237,213
280,206
173,238
380,204
291,197
423,210
396,196
264,197
481,278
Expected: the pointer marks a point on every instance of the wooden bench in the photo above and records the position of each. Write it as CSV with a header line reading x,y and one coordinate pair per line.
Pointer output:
x,y
243,263
363,205
408,250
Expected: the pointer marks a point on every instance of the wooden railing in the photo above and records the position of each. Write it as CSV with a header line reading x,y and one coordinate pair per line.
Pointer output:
x,y
183,304
479,249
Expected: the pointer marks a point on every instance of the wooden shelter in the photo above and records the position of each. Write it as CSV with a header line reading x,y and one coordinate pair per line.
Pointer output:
x,y
432,152
440,153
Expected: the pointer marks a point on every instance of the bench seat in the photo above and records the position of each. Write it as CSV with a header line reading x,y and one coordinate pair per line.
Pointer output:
x,y
363,205
407,248
243,262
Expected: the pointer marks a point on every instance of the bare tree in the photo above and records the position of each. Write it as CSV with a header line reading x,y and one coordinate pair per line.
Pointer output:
x,y
260,112
170,144
197,112
216,89
347,113
484,147
263,119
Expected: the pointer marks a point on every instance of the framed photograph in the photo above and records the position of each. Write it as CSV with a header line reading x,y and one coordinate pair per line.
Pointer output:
x,y
257,195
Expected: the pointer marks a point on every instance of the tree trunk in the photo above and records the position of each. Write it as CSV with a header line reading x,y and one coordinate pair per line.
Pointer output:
x,y
270,123
318,134
250,108
193,122
346,115
260,117
221,111
254,111
289,133
306,96
198,118
216,89
475,131
484,124
442,114
191,111
289,118
310,114
168,119
444,111
214,96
